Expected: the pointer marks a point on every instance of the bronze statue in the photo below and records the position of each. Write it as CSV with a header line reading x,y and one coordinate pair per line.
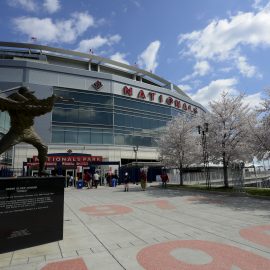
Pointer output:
x,y
23,107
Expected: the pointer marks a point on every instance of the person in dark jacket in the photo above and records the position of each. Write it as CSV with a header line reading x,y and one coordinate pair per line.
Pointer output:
x,y
164,178
126,181
143,179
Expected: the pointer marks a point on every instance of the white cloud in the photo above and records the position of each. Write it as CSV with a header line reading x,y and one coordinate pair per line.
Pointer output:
x,y
148,58
46,30
43,29
97,42
260,4
212,91
225,69
253,100
120,57
82,21
215,88
222,39
29,5
244,68
201,68
185,87
257,4
51,5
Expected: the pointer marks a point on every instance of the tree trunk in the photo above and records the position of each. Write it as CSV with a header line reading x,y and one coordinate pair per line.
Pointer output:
x,y
181,176
225,170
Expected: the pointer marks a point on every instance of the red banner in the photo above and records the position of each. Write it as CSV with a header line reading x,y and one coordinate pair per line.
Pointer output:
x,y
68,159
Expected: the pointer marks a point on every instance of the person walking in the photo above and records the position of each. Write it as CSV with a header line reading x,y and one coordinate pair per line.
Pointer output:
x,y
126,181
164,178
71,181
96,179
143,178
88,180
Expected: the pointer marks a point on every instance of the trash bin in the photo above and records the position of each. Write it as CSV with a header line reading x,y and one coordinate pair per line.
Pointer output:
x,y
79,184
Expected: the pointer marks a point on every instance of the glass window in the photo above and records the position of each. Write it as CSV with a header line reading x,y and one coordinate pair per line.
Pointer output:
x,y
84,116
58,136
119,139
88,97
84,137
107,138
96,138
70,136
143,106
71,115
59,115
4,121
103,118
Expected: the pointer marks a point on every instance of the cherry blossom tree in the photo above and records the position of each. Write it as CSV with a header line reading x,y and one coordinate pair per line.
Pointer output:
x,y
178,146
229,131
260,128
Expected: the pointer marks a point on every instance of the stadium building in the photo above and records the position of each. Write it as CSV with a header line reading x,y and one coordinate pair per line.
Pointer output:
x,y
110,112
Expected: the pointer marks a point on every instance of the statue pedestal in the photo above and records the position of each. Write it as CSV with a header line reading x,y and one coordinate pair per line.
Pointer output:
x,y
31,211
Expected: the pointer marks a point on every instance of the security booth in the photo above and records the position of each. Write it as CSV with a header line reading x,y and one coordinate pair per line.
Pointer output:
x,y
133,169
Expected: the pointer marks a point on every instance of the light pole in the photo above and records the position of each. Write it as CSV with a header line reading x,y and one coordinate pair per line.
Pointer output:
x,y
135,149
202,130
136,173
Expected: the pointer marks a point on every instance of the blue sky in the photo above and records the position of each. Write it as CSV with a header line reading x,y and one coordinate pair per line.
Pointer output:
x,y
205,47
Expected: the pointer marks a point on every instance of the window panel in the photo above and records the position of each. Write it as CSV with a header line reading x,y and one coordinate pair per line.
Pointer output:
x,y
70,136
58,137
59,115
84,137
107,138
96,138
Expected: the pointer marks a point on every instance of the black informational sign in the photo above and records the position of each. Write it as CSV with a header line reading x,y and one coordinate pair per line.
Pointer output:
x,y
31,211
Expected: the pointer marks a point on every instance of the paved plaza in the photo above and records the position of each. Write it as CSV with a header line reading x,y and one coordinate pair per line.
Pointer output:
x,y
156,229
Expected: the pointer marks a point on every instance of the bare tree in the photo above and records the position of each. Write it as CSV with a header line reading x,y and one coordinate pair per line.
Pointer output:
x,y
228,132
178,146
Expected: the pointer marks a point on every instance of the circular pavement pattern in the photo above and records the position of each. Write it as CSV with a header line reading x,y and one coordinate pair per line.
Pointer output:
x,y
257,234
207,256
162,204
73,264
106,210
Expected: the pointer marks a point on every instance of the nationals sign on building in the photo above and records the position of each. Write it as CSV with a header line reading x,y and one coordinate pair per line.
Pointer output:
x,y
67,159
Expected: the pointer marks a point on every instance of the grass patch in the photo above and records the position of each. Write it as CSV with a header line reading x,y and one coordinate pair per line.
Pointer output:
x,y
200,187
248,190
258,191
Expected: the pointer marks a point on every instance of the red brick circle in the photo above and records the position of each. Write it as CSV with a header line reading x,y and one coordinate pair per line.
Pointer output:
x,y
257,234
158,257
162,204
73,264
106,210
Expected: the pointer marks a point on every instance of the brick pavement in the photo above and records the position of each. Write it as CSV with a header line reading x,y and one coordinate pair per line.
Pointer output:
x,y
107,228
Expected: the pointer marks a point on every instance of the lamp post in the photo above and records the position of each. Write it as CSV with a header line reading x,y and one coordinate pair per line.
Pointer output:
x,y
136,170
135,149
202,130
